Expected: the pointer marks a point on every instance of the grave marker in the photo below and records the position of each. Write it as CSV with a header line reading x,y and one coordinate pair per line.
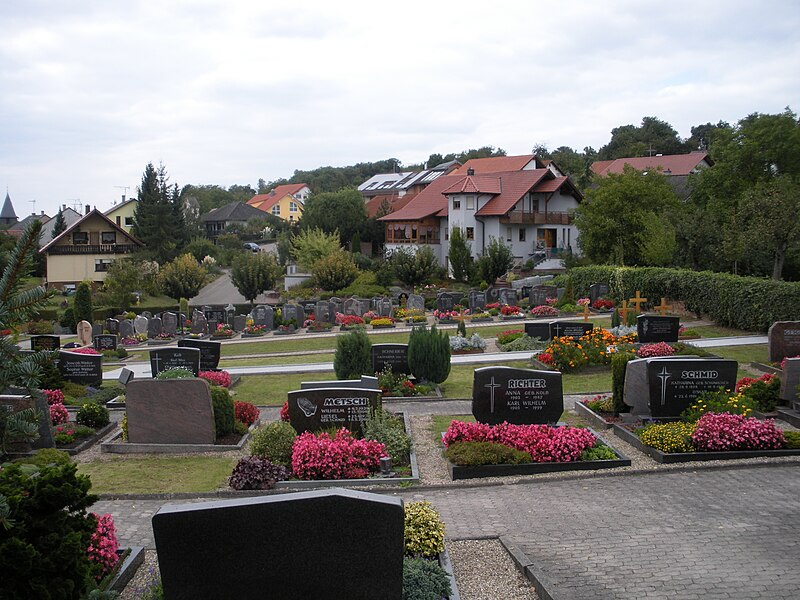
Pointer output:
x,y
154,327
477,300
444,301
598,290
539,330
105,342
394,355
518,396
783,339
162,359
85,369
323,408
657,328
663,308
416,302
637,302
172,411
170,322
84,330
210,352
45,343
675,384
126,329
112,325
199,323
140,324
572,329
790,380
264,315
507,296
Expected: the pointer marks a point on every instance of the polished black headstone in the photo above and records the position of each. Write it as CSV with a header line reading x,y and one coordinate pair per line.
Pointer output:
x,y
45,343
85,369
598,290
657,328
323,408
106,341
519,396
210,352
538,330
394,355
162,359
675,384
573,329
321,544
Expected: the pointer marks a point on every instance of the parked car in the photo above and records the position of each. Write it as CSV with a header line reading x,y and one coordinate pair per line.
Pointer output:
x,y
252,246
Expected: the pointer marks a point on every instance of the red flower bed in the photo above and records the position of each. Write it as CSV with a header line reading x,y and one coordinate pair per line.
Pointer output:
x,y
245,412
341,457
84,350
601,304
222,378
724,431
746,382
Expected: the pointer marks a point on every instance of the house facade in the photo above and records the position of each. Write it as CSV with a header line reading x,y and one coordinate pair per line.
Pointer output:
x,y
122,213
85,250
522,200
285,201
236,213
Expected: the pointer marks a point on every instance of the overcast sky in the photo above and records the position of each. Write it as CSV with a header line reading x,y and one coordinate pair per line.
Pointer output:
x,y
227,92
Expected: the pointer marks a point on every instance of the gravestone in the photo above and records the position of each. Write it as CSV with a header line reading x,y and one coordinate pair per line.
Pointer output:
x,y
106,341
215,316
294,311
518,396
140,324
323,312
172,411
790,380
323,408
657,328
199,323
674,385
334,543
126,329
394,355
112,325
162,359
45,343
783,340
416,302
444,301
572,329
350,307
16,403
365,383
154,327
477,300
146,314
636,393
540,293
598,290
507,296
210,352
538,330
263,315
363,307
337,306
84,330
385,308
169,321
97,329
239,322
85,369
402,300
492,294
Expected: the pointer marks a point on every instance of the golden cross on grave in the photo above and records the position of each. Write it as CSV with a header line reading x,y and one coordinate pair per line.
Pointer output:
x,y
637,300
663,308
623,312
585,312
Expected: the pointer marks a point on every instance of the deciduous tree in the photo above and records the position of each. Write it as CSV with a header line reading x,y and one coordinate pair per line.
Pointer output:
x,y
255,273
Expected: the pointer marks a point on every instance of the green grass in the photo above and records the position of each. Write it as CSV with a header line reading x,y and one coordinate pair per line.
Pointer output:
x,y
275,360
715,331
158,475
272,390
743,354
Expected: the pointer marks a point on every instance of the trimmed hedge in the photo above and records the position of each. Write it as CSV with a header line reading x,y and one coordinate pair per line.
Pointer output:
x,y
748,303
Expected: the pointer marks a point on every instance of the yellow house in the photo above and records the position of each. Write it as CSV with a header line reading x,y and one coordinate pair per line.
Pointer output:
x,y
285,201
85,250
122,214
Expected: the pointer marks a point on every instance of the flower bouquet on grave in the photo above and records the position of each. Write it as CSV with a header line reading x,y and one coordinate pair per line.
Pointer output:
x,y
255,330
164,336
510,312
348,321
134,340
223,330
314,326
369,315
445,316
493,308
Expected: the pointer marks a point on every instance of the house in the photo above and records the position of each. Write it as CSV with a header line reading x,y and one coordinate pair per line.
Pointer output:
x,y
285,201
676,167
19,227
216,221
70,217
7,214
522,200
85,249
122,213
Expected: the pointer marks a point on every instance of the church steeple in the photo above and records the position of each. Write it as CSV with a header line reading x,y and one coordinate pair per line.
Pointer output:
x,y
7,215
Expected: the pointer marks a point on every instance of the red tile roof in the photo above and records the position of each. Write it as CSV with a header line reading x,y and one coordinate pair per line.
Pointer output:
x,y
266,201
677,164
514,185
550,185
427,203
475,184
395,203
495,164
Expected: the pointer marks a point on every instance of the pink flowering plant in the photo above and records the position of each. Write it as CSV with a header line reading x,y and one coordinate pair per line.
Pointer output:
x,y
551,301
84,350
544,311
725,432
54,396
339,457
348,320
543,442
58,414
659,349
103,547
221,378
583,302
446,315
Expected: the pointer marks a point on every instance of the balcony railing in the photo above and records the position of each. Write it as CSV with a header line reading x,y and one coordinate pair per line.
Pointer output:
x,y
94,249
538,218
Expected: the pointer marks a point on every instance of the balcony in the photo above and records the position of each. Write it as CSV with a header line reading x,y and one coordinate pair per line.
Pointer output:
x,y
94,249
537,218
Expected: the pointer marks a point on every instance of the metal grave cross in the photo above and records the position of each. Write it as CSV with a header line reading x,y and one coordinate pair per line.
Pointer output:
x,y
663,308
637,301
623,312
492,387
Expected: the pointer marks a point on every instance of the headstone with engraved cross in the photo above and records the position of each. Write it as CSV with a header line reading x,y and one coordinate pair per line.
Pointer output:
x,y
518,396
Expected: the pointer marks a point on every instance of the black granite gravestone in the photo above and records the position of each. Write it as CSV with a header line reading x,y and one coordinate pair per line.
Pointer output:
x,y
519,396
538,330
320,544
598,290
323,408
444,301
572,329
85,369
675,384
657,328
210,352
112,325
45,343
104,342
162,359
394,355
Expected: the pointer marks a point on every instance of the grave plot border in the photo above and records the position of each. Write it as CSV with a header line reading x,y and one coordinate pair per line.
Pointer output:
x,y
388,481
87,443
680,457
594,419
132,559
472,472
116,446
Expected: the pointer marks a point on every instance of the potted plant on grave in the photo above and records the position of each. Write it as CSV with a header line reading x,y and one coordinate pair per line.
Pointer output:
x,y
223,331
253,330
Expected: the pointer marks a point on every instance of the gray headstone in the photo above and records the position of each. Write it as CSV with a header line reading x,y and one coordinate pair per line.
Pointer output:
x,y
85,369
84,330
598,290
140,324
125,376
43,343
263,315
518,396
365,383
106,341
444,301
170,322
655,328
783,340
394,355
292,545
540,293
126,329
210,352
97,329
112,325
323,408
416,302
350,307
147,315
154,327
507,296
790,380
337,306
477,300
323,312
385,308
199,323
492,294
239,322
215,316
172,411
293,311
162,359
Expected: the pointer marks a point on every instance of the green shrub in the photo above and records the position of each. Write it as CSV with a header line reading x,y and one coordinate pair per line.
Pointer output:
x,y
472,454
67,319
424,580
47,456
619,363
45,532
682,349
668,437
423,531
792,439
224,414
51,378
106,393
414,268
352,358
274,442
429,354
598,453
382,426
92,415
523,344
83,303
764,395
176,373
335,271
76,390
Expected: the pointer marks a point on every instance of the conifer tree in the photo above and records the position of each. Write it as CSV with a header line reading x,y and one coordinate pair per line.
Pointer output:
x,y
60,225
158,220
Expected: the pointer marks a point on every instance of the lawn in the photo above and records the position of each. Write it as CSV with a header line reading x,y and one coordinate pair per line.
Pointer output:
x,y
158,475
743,354
715,331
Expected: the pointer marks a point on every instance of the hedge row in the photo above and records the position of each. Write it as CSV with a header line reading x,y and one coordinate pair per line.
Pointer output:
x,y
748,303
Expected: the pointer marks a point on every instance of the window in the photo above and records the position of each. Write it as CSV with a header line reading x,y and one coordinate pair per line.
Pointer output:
x,y
470,202
470,233
119,221
101,264
291,217
521,234
128,221
456,203
276,210
80,237
108,237
508,234
292,207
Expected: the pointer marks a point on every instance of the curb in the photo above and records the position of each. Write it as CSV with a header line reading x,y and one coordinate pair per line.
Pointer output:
x,y
532,573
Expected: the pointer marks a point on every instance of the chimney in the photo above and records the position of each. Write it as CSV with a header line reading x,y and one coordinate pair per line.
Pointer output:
x,y
470,172
63,207
87,209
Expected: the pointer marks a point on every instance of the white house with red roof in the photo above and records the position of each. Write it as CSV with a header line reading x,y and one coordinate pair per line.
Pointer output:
x,y
523,200
285,201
